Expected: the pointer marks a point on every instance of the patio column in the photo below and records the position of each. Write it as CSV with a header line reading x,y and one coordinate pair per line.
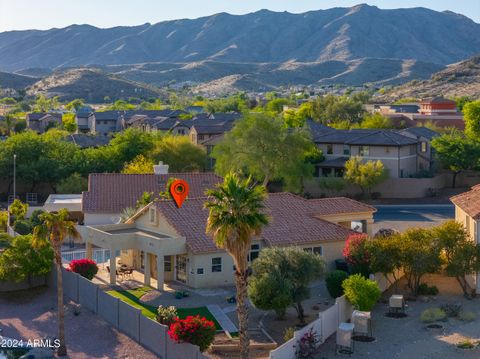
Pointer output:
x,y
89,250
160,272
147,269
369,225
113,267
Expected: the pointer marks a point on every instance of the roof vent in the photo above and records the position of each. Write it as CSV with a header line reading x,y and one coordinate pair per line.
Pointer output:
x,y
160,169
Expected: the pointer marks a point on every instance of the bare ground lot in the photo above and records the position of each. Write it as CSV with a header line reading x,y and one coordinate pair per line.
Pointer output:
x,y
32,315
408,338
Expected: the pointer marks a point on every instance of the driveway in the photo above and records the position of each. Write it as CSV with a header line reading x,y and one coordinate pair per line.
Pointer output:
x,y
402,217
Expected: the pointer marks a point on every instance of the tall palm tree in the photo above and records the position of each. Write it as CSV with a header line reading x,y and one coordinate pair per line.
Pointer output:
x,y
235,217
53,229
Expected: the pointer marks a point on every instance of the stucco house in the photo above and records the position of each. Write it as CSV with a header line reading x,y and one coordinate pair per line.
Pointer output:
x,y
403,153
170,243
467,211
40,121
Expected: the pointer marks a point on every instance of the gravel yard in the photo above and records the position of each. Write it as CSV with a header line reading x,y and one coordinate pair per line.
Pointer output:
x,y
32,315
408,338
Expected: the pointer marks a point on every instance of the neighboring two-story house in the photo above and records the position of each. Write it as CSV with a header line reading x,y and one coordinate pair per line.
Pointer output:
x,y
105,122
40,122
402,154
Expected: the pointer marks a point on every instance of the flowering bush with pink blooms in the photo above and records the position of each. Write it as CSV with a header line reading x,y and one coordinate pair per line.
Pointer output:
x,y
195,330
356,253
85,267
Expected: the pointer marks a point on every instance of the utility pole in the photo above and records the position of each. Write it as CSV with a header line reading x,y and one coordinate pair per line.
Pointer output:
x,y
14,177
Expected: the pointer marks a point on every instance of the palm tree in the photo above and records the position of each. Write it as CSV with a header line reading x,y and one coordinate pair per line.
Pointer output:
x,y
235,217
52,231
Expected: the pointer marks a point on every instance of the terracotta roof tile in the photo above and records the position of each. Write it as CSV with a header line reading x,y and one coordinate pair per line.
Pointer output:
x,y
469,202
112,192
292,220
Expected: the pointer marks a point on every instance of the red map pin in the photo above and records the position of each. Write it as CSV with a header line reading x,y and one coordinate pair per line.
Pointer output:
x,y
179,191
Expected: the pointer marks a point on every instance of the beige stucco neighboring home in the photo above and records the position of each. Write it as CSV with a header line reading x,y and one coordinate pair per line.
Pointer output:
x,y
467,211
170,243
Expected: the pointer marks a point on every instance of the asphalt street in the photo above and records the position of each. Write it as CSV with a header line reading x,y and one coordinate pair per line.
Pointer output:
x,y
402,217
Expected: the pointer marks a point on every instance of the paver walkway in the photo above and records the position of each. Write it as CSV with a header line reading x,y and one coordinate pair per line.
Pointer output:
x,y
221,318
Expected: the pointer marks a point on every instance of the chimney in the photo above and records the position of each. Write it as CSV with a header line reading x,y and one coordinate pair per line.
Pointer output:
x,y
160,169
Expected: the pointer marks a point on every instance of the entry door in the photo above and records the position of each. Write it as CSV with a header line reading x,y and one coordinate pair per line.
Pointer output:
x,y
182,268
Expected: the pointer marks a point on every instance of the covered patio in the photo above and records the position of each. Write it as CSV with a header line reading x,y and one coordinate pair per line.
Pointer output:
x,y
127,237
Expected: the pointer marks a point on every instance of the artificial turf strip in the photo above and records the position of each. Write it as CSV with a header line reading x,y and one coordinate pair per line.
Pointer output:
x,y
132,297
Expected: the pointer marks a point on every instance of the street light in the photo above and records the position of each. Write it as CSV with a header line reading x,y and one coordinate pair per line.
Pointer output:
x,y
14,177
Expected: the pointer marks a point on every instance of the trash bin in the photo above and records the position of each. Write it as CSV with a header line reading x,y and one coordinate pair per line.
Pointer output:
x,y
397,303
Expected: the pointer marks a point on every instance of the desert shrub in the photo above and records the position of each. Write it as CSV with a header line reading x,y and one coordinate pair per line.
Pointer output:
x,y
5,240
18,209
466,344
451,309
424,289
307,345
22,227
288,334
87,268
433,315
166,315
362,293
467,316
194,330
334,282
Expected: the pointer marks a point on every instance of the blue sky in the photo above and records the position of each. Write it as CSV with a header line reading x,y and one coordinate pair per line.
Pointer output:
x,y
45,14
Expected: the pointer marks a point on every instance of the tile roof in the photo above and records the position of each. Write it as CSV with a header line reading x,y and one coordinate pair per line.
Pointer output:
x,y
293,220
469,202
87,140
112,192
363,137
421,132
107,115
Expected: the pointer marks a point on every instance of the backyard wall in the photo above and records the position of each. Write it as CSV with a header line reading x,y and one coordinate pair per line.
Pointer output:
x,y
392,187
126,318
326,325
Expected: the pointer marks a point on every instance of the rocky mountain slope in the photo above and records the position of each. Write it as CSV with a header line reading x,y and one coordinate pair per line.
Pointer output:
x,y
92,85
460,79
337,34
15,81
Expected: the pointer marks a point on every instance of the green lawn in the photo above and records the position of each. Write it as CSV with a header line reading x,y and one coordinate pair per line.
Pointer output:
x,y
132,297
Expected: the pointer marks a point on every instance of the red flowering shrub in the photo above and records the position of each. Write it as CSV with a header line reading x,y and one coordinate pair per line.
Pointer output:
x,y
85,267
356,253
194,330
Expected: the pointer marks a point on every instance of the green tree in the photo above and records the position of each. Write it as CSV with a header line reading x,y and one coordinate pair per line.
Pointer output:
x,y
21,261
146,198
364,174
461,254
334,109
275,106
139,165
45,104
74,183
457,153
179,153
69,124
461,101
361,292
18,209
74,105
267,150
420,255
375,121
129,144
236,214
53,230
385,256
471,113
334,281
281,278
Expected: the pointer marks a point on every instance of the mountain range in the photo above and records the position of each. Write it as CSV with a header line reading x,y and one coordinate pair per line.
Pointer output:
x,y
260,50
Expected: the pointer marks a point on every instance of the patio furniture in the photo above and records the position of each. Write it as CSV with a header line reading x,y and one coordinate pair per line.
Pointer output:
x,y
344,339
362,323
396,304
127,272
117,273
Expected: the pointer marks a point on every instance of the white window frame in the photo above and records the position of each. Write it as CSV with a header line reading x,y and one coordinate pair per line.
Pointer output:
x,y
152,215
216,265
